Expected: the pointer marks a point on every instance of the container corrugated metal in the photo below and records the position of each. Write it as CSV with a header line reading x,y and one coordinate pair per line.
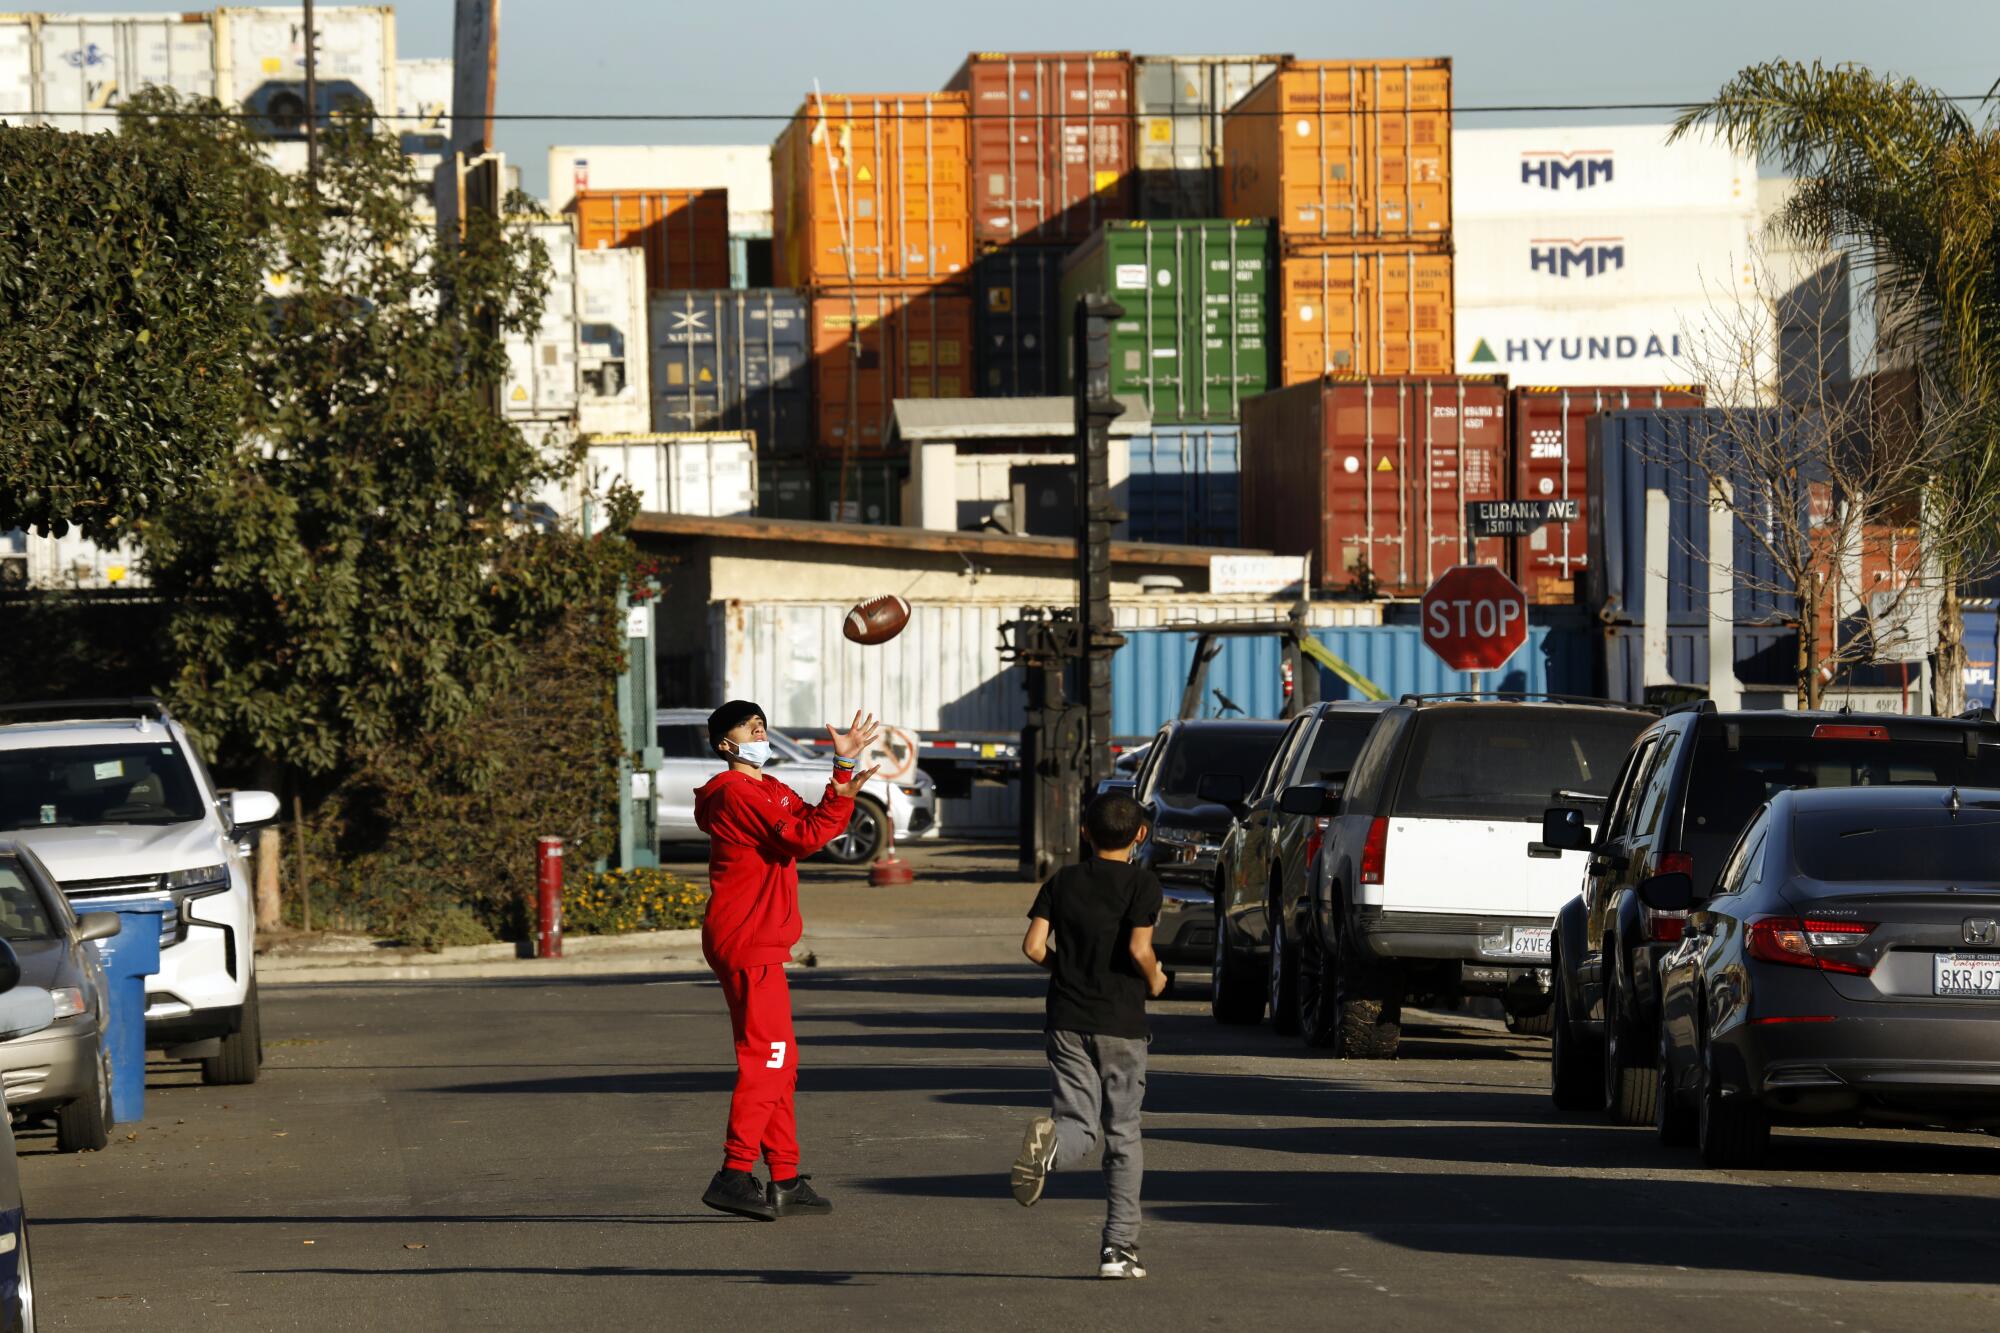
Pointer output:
x,y
872,346
684,234
1051,143
613,384
734,361
1194,340
71,563
1765,657
260,62
1632,454
72,71
20,91
541,366
1627,170
713,474
1374,475
1016,314
1179,102
863,491
740,171
1980,657
423,106
785,489
1548,428
1364,310
1588,261
872,189
1183,485
1344,151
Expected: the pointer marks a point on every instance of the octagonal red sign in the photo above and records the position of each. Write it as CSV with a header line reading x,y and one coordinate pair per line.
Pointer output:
x,y
1475,618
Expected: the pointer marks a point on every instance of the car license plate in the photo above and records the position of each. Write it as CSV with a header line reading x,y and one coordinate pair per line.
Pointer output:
x,y
1970,974
1531,941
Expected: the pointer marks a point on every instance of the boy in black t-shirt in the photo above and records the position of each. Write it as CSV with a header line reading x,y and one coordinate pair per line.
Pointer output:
x,y
1092,927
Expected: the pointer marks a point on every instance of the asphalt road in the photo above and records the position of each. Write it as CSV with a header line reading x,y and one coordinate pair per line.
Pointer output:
x,y
500,1154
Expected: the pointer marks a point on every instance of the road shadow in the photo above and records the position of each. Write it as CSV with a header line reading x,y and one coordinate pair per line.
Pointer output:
x,y
762,1277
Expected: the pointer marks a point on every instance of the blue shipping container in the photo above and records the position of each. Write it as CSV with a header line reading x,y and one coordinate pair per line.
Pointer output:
x,y
1014,313
1980,655
1184,485
1634,453
1765,656
729,360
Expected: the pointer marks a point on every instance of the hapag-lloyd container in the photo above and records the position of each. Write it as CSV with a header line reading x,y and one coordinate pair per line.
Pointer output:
x,y
1337,150
1549,430
613,388
1051,143
872,189
1364,310
872,346
71,71
1180,101
1194,341
734,361
1015,316
1371,476
713,474
684,234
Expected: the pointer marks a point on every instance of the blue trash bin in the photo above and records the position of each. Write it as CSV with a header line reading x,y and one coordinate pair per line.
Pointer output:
x,y
129,957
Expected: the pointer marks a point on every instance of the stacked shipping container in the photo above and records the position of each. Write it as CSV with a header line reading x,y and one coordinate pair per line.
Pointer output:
x,y
1180,103
1051,151
684,234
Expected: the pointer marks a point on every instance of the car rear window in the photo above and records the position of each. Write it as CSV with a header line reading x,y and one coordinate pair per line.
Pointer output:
x,y
1198,751
1726,786
1508,763
1899,846
1336,745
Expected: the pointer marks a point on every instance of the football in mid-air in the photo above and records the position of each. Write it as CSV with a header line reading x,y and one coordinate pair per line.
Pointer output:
x,y
877,620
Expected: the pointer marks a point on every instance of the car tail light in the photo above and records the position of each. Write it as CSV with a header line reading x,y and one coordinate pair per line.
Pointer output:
x,y
1792,1018
1375,852
1314,840
1849,731
1797,942
1668,927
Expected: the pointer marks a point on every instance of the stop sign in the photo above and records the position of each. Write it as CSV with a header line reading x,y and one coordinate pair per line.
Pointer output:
x,y
1474,617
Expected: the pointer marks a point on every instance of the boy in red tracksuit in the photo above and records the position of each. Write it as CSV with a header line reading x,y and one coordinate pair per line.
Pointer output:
x,y
757,830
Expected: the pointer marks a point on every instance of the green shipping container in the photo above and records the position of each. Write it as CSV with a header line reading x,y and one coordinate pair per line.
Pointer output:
x,y
787,489
1195,338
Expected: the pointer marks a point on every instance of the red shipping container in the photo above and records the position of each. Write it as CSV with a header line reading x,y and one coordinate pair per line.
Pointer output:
x,y
685,233
1371,476
872,346
1052,151
1548,425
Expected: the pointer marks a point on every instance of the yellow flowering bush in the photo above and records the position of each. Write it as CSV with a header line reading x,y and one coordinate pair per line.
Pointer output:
x,y
645,898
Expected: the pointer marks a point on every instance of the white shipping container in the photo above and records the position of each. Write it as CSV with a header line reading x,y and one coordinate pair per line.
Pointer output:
x,y
744,170
541,367
19,89
1180,102
260,61
423,111
614,386
1621,169
39,560
1662,341
709,473
85,65
1562,262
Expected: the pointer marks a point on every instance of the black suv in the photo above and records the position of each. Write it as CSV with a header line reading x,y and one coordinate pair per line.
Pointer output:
x,y
1267,848
1686,791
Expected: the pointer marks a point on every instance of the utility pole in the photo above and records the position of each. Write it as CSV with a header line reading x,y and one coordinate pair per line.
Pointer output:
x,y
312,101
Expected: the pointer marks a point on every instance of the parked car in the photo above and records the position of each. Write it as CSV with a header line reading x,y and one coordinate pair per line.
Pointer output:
x,y
1690,784
1267,848
1422,888
1187,828
1845,970
115,799
1124,771
64,1070
908,806
25,1009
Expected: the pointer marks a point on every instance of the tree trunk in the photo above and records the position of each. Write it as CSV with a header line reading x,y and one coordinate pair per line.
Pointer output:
x,y
1948,685
1810,686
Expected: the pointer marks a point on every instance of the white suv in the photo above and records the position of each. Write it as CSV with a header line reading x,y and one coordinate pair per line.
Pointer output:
x,y
114,798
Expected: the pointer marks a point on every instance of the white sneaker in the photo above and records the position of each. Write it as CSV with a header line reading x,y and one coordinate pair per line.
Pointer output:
x,y
1119,1261
1037,1159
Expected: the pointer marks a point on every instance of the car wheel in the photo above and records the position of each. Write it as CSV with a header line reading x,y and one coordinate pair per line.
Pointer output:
x,y
1236,997
1628,1080
1313,988
242,1050
1573,1074
1731,1131
1368,995
1282,983
84,1125
867,830
1672,1120
1538,1024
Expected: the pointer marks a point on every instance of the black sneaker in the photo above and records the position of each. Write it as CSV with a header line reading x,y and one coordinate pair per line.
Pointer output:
x,y
1119,1261
1038,1156
798,1199
738,1192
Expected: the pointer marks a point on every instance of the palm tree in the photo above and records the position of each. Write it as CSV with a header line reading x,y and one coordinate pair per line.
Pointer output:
x,y
1900,177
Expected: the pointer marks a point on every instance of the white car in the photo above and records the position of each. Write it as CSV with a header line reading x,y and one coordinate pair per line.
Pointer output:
x,y
114,798
908,805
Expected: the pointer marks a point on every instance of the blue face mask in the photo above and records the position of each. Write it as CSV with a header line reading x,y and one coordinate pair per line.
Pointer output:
x,y
753,752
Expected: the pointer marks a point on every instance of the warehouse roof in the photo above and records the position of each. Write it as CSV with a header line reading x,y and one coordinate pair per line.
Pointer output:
x,y
926,540
917,419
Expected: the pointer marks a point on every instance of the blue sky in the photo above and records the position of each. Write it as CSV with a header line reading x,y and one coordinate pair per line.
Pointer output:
x,y
638,56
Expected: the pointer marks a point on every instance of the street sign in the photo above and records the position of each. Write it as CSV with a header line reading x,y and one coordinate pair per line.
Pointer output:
x,y
1474,618
1518,518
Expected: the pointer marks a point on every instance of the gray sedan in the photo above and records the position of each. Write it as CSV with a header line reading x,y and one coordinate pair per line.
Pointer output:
x,y
64,1069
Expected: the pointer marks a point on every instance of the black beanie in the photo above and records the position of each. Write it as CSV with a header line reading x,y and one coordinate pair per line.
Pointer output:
x,y
729,717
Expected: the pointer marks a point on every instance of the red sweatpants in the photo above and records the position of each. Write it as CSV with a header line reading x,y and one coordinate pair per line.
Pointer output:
x,y
767,1070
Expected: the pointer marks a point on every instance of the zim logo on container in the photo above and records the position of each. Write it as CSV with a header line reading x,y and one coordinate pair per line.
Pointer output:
x,y
1579,170
1586,256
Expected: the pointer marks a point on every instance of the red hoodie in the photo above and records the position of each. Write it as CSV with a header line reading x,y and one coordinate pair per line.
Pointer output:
x,y
757,829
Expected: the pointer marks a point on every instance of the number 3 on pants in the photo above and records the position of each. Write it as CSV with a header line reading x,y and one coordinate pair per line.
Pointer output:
x,y
777,1060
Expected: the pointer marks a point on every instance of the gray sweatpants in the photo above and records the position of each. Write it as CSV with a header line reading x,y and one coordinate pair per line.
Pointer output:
x,y
1101,1082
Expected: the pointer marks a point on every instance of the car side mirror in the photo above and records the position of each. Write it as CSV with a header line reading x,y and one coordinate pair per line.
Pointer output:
x,y
1220,789
249,808
1116,787
1563,828
97,925
1672,892
1310,800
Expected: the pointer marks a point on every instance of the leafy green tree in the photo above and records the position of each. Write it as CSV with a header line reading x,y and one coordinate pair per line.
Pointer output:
x,y
125,310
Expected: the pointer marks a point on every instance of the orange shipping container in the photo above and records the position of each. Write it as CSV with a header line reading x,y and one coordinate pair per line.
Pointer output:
x,y
685,233
1338,150
872,189
1364,310
872,346
1051,143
